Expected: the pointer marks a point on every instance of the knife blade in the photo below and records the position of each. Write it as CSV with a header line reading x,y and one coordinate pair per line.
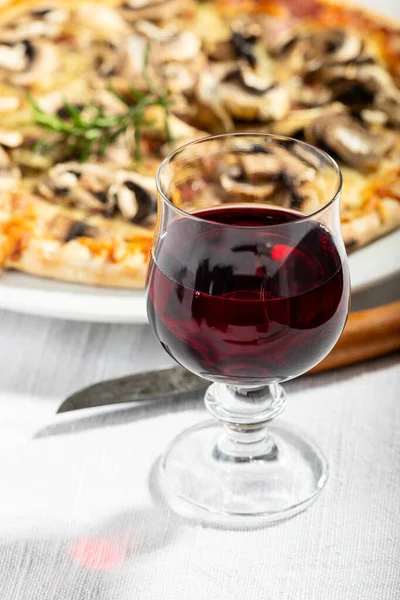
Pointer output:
x,y
147,385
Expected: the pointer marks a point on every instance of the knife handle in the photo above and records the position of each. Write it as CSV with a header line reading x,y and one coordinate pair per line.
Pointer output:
x,y
368,333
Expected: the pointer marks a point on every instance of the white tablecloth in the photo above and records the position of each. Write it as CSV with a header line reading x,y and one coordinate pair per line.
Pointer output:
x,y
78,520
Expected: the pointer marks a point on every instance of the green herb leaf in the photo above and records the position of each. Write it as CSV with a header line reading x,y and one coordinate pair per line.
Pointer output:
x,y
91,130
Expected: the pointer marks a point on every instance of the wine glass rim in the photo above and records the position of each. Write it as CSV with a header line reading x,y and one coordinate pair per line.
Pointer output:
x,y
272,136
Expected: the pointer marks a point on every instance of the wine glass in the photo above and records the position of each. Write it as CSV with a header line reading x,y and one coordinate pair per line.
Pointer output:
x,y
248,287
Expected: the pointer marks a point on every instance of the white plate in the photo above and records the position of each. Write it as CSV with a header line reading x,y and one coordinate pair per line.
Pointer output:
x,y
375,263
36,296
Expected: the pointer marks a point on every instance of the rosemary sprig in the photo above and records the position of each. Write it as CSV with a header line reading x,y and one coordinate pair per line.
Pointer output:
x,y
90,129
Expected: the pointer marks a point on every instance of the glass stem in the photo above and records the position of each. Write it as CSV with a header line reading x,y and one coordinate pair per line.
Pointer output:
x,y
244,414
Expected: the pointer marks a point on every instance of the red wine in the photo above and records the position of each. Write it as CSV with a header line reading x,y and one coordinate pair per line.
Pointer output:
x,y
235,300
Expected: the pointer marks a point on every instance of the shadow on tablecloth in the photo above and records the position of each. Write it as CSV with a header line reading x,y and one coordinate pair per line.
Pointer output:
x,y
93,564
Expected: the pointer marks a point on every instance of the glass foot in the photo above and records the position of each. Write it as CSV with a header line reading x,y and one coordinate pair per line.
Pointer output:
x,y
202,476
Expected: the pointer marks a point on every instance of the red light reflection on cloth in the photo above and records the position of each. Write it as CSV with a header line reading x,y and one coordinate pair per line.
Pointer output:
x,y
99,554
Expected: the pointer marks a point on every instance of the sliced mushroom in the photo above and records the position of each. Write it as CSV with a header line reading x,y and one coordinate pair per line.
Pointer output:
x,y
10,139
166,61
287,177
243,94
43,21
350,140
308,197
168,44
297,120
40,59
274,162
9,175
142,190
364,85
374,116
52,101
9,103
370,77
105,21
67,229
249,81
156,32
306,52
13,57
388,101
245,34
134,201
125,199
333,46
182,47
251,103
242,43
152,10
260,166
173,60
125,58
100,189
76,184
268,169
144,181
242,190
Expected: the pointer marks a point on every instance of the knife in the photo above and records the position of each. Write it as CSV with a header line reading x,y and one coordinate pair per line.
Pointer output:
x,y
145,386
368,334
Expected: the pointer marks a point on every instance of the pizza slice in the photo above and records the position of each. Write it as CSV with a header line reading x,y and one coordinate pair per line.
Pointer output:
x,y
47,239
80,222
376,209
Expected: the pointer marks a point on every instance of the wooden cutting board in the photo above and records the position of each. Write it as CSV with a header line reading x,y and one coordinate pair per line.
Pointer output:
x,y
368,333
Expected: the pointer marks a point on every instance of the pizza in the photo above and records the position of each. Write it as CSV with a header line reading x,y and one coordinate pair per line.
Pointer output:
x,y
94,95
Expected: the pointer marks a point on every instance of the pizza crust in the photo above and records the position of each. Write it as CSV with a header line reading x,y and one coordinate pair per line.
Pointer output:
x,y
29,243
54,263
364,229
